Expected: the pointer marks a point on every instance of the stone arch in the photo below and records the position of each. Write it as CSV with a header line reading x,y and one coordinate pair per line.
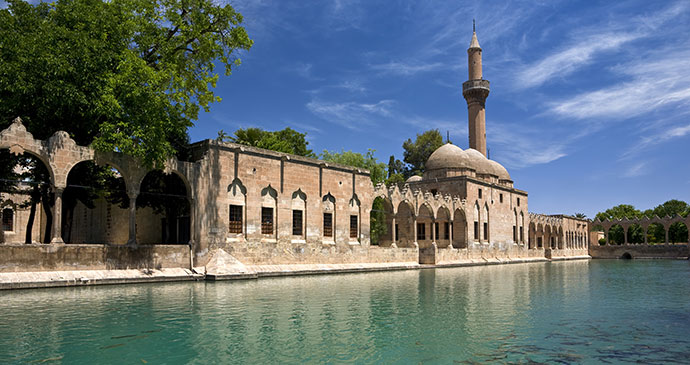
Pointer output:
x,y
443,227
164,209
521,228
405,221
355,218
100,207
615,234
476,229
678,232
540,235
459,229
560,240
532,235
635,234
381,222
516,224
425,224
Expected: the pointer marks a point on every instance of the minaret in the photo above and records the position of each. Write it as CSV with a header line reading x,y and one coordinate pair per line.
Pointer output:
x,y
476,90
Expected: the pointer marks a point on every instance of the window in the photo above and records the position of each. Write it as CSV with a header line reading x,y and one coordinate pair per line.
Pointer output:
x,y
421,231
518,201
446,230
476,230
436,226
522,236
500,198
266,220
353,226
515,234
434,191
397,232
480,193
235,225
328,224
8,220
296,222
486,230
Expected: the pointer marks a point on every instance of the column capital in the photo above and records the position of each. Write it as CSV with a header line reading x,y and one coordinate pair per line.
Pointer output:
x,y
57,189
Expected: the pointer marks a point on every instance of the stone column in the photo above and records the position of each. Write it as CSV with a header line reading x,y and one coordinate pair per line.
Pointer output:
x,y
192,212
667,229
433,231
394,238
450,235
132,217
625,235
646,242
414,224
57,216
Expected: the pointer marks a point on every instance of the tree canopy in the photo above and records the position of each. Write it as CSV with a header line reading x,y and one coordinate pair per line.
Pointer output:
x,y
364,161
678,232
286,140
416,153
125,75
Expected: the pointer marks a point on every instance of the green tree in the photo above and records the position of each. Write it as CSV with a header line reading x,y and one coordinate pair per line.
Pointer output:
x,y
377,170
622,211
678,232
581,215
125,75
416,153
286,140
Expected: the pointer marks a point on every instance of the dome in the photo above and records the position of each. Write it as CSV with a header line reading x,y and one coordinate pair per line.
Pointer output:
x,y
480,163
501,171
413,178
447,156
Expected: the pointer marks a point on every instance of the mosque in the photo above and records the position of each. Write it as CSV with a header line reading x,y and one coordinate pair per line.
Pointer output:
x,y
247,209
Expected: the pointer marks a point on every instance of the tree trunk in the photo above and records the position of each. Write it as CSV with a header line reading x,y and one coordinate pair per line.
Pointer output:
x,y
2,228
30,223
49,223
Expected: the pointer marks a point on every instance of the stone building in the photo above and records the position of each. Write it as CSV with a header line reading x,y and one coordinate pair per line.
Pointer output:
x,y
248,206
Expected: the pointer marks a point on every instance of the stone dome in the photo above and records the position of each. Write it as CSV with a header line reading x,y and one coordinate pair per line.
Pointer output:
x,y
501,171
413,178
448,156
479,162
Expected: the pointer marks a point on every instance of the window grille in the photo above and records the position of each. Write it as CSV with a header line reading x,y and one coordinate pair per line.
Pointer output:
x,y
353,226
296,222
486,231
235,225
446,230
267,220
328,224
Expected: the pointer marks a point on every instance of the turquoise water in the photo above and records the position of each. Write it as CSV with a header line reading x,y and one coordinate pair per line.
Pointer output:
x,y
567,312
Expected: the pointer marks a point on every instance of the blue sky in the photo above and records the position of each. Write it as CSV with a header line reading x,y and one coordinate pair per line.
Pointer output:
x,y
590,100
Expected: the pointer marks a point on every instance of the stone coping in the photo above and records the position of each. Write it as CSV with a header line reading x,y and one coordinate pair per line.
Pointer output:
x,y
46,279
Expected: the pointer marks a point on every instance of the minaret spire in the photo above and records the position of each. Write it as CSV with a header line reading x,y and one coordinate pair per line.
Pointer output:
x,y
476,90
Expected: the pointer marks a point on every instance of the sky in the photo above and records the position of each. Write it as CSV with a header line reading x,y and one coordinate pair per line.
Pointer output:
x,y
589,103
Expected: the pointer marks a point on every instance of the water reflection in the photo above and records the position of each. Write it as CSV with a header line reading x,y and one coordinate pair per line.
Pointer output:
x,y
558,312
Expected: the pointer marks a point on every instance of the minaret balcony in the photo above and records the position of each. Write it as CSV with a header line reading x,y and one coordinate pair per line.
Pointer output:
x,y
475,84
475,88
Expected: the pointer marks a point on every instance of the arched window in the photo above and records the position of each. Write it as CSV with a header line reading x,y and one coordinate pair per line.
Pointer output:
x,y
328,207
515,227
522,227
299,212
237,199
8,220
476,221
354,218
486,223
269,199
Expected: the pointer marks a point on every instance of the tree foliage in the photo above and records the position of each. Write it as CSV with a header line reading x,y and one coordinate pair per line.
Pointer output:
x,y
286,140
678,232
416,153
125,75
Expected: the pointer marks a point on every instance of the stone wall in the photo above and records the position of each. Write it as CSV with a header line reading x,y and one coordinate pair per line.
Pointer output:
x,y
639,251
25,258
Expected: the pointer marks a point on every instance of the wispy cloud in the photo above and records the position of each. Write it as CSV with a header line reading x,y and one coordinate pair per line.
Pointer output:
x,y
351,115
653,82
636,170
525,147
407,69
586,46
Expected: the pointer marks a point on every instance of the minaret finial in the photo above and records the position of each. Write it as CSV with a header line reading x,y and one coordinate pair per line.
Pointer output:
x,y
474,29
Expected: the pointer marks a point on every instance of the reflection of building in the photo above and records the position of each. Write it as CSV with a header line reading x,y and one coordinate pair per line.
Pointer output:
x,y
264,207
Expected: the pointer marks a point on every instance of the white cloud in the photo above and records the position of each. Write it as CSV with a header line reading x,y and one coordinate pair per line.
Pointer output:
x,y
524,147
407,69
351,115
636,170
